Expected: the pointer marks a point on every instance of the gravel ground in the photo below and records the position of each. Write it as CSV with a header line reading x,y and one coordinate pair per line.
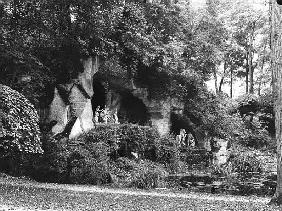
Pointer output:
x,y
25,195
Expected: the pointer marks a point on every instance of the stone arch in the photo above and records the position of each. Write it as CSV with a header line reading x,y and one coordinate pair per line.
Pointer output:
x,y
71,107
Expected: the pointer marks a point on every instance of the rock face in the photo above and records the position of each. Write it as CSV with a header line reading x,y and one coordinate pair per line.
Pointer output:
x,y
84,122
58,112
160,113
72,104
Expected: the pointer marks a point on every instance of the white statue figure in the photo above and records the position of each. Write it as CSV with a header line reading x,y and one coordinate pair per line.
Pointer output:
x,y
115,116
96,115
190,140
106,115
181,137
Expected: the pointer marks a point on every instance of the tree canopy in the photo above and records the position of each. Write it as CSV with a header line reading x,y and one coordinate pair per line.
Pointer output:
x,y
165,46
159,37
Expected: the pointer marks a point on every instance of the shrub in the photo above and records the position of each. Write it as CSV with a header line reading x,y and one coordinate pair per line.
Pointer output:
x,y
244,164
168,152
143,174
123,139
19,123
148,175
89,158
254,131
254,135
70,161
135,138
19,134
52,165
88,163
211,113
266,115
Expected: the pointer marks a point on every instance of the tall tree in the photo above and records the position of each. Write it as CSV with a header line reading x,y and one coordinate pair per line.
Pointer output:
x,y
276,56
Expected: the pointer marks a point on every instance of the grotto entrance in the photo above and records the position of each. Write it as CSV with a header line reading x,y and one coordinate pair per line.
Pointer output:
x,y
178,122
99,96
132,109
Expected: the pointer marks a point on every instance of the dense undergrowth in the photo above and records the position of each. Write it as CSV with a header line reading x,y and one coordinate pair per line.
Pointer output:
x,y
129,155
108,155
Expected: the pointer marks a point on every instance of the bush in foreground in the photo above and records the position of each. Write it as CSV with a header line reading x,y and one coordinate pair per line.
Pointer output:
x,y
19,129
68,161
124,139
104,155
142,174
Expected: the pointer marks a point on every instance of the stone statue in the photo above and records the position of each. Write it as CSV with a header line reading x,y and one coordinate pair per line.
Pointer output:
x,y
190,140
97,115
105,113
115,116
181,137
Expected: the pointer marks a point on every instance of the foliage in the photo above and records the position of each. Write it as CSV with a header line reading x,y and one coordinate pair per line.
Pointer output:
x,y
254,111
254,135
246,120
19,124
65,161
132,36
168,152
266,114
86,159
24,73
124,139
90,162
245,164
143,174
214,114
148,175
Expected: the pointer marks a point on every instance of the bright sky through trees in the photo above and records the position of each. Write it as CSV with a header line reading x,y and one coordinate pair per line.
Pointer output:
x,y
261,5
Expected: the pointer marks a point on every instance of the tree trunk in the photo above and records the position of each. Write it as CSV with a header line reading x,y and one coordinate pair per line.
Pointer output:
x,y
223,77
251,68
215,81
15,20
261,70
247,81
259,87
231,83
247,74
276,56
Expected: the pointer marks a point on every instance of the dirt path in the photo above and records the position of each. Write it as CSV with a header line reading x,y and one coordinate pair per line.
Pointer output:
x,y
158,193
25,195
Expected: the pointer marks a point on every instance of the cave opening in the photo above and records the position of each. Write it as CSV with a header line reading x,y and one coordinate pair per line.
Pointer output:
x,y
133,110
180,121
99,96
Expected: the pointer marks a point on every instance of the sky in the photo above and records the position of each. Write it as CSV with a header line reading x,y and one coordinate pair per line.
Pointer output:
x,y
197,3
255,3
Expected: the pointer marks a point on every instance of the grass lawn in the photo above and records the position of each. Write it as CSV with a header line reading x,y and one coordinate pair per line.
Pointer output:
x,y
36,196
